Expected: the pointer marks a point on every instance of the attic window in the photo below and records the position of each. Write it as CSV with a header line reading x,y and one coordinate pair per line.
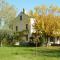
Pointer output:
x,y
21,17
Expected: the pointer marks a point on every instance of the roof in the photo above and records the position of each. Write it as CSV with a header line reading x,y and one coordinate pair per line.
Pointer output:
x,y
21,13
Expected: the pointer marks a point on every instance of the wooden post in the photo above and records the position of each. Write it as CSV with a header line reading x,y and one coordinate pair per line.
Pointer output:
x,y
36,42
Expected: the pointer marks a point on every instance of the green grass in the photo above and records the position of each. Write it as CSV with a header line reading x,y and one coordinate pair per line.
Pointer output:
x,y
28,53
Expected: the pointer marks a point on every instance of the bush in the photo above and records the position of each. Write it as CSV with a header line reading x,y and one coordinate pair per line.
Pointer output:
x,y
29,44
55,44
42,40
24,44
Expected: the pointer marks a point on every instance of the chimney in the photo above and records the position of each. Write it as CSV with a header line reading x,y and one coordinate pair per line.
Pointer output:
x,y
23,10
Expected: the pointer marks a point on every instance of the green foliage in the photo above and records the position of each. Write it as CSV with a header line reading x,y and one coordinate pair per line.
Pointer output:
x,y
18,36
42,40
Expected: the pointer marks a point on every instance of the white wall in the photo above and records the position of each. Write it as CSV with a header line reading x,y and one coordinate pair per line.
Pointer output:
x,y
32,30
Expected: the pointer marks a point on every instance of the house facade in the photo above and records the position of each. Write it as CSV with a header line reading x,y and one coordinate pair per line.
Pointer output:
x,y
23,22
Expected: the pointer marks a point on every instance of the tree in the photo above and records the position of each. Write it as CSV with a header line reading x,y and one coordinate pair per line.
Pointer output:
x,y
7,13
30,13
47,22
7,16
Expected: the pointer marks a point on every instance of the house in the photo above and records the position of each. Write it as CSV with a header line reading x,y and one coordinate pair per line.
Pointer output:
x,y
53,40
23,22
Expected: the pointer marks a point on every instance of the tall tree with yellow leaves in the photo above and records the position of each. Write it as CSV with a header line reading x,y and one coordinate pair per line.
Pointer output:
x,y
47,20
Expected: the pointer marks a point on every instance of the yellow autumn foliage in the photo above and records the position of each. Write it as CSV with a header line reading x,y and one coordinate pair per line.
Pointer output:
x,y
47,22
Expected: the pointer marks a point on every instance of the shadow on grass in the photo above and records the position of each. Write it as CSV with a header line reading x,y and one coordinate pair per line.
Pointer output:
x,y
40,52
49,53
45,52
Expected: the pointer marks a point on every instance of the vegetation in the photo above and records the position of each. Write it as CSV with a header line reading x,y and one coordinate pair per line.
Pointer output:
x,y
7,16
47,21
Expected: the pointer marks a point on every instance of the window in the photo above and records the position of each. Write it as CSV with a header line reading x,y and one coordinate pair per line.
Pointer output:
x,y
26,26
21,17
16,28
26,37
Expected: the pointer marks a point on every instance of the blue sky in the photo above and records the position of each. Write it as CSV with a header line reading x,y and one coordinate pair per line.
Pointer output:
x,y
30,4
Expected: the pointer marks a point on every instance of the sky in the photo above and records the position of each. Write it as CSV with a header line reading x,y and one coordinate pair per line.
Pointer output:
x,y
30,4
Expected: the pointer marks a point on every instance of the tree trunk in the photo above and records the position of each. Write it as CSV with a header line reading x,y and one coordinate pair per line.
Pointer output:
x,y
0,43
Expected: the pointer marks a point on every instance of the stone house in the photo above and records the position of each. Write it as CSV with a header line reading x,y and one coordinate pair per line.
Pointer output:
x,y
23,22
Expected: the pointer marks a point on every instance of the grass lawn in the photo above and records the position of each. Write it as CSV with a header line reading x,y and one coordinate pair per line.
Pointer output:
x,y
28,53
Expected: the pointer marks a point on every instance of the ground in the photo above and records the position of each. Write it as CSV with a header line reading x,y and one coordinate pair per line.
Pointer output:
x,y
29,53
